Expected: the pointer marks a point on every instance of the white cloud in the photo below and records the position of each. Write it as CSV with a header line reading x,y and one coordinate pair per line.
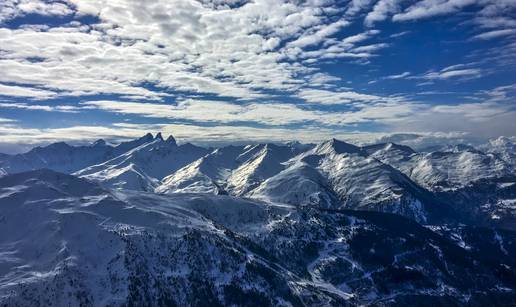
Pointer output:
x,y
491,117
48,108
244,50
6,120
429,8
494,34
366,108
319,35
426,140
398,76
13,8
457,71
182,45
21,91
494,22
220,112
382,10
357,6
444,75
317,96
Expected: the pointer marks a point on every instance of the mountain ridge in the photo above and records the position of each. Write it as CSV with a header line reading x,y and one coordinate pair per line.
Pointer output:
x,y
334,174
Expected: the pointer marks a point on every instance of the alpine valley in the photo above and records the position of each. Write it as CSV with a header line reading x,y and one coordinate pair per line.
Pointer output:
x,y
150,222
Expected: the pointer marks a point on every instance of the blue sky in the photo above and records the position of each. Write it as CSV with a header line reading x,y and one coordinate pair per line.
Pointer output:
x,y
219,71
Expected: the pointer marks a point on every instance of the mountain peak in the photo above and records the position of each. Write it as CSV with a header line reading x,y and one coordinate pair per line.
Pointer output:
x,y
99,142
158,136
338,147
171,140
146,138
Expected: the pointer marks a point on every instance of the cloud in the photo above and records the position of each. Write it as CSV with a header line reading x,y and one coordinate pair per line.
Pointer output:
x,y
366,108
357,6
272,114
398,76
228,63
318,35
444,75
322,79
381,11
494,34
347,47
228,50
457,71
10,9
6,120
317,96
504,93
48,108
491,116
430,8
494,22
21,91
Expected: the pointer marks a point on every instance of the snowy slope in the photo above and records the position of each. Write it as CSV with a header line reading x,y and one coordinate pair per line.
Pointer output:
x,y
142,167
335,169
205,175
233,169
442,171
299,184
68,242
265,161
450,170
504,147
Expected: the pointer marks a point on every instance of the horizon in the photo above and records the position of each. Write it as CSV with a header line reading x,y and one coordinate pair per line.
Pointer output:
x,y
419,143
230,72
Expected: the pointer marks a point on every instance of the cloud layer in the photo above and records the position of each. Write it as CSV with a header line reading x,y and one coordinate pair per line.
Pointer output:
x,y
254,66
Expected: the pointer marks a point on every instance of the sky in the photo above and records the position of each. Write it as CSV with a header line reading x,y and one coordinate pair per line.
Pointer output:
x,y
235,71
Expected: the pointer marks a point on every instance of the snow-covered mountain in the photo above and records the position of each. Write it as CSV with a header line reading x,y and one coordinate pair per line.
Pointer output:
x,y
67,241
442,170
142,167
461,183
342,175
237,169
67,158
504,147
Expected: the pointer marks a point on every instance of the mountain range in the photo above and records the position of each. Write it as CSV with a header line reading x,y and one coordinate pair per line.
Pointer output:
x,y
151,222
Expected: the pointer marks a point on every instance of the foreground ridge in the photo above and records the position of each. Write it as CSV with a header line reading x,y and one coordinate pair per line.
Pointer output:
x,y
88,246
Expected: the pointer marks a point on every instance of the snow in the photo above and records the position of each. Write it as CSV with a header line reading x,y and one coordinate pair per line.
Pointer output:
x,y
67,233
143,167
443,170
234,169
332,174
337,174
66,158
69,241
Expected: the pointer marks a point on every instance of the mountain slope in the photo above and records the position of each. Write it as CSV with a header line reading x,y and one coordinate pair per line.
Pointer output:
x,y
205,175
69,242
142,167
352,179
480,187
442,170
233,169
66,158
